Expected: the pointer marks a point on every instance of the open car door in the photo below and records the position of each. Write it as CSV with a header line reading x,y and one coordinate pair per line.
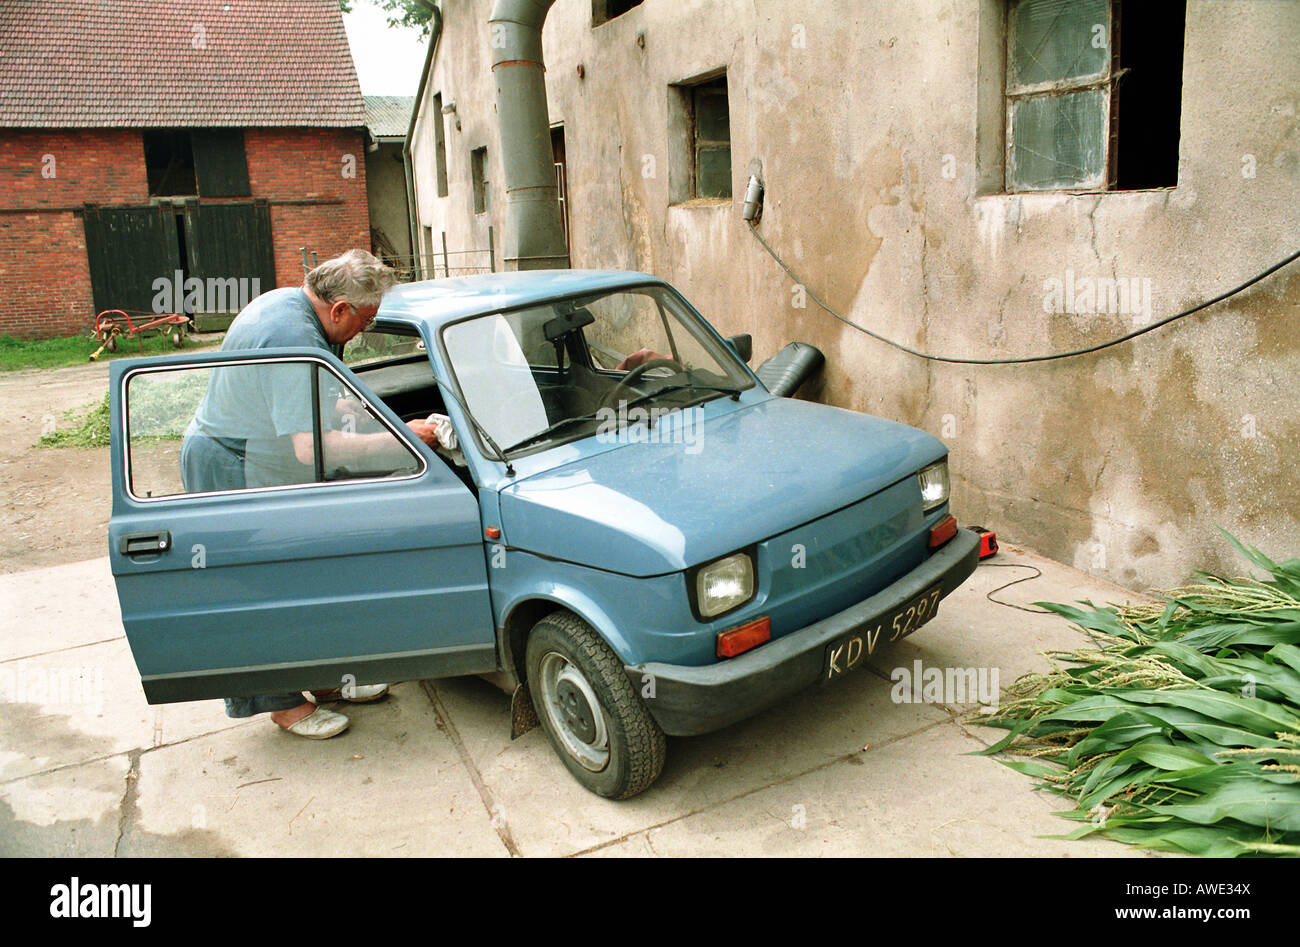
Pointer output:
x,y
357,559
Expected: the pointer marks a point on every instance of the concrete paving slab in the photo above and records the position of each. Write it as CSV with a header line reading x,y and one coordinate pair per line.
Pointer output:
x,y
80,704
920,796
392,785
72,812
549,814
433,771
60,607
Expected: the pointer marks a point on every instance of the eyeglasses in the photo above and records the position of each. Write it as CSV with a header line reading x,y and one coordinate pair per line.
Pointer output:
x,y
367,322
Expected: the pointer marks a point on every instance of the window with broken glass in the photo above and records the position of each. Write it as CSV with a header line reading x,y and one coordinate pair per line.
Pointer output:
x,y
1067,63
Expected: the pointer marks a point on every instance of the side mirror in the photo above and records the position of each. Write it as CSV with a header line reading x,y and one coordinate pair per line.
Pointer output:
x,y
742,345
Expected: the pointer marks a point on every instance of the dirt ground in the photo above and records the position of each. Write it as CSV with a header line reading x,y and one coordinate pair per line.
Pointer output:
x,y
55,502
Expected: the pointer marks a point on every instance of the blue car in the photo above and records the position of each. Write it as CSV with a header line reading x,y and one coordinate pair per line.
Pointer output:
x,y
621,523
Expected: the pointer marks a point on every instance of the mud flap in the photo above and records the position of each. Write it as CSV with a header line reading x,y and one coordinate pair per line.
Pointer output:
x,y
523,715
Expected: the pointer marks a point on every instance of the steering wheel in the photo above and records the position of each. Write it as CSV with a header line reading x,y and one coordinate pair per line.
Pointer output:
x,y
634,375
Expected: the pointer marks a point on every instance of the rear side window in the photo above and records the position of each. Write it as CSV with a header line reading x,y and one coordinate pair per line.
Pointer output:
x,y
256,425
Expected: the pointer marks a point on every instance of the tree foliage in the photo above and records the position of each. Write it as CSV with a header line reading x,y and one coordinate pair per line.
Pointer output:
x,y
416,14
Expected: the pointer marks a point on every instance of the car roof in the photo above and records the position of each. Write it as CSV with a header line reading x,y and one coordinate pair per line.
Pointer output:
x,y
436,302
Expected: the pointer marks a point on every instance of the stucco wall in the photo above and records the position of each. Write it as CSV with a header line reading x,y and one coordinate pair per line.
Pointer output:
x,y
865,119
462,73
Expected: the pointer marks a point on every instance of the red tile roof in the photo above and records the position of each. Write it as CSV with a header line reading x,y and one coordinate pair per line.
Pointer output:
x,y
176,63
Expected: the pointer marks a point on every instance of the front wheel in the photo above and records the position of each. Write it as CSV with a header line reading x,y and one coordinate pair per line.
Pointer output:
x,y
592,715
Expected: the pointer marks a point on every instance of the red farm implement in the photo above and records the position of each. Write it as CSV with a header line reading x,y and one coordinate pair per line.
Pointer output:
x,y
114,323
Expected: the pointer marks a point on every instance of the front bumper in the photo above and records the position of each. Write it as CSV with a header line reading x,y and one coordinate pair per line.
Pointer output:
x,y
693,700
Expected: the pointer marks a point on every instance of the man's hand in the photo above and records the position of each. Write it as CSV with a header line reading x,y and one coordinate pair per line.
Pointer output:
x,y
424,431
639,357
346,406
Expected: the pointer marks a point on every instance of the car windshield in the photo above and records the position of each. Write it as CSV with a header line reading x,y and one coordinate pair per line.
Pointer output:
x,y
551,373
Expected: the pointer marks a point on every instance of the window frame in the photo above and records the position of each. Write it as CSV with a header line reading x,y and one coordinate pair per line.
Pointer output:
x,y
440,147
318,448
600,14
686,143
479,181
1106,81
701,144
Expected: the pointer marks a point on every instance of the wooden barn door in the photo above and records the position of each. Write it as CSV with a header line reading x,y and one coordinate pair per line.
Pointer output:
x,y
225,242
128,249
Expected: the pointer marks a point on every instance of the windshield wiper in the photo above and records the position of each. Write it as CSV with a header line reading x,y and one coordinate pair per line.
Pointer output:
x,y
730,391
559,425
545,433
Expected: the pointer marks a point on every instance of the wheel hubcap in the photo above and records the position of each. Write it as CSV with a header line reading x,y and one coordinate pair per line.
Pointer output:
x,y
574,712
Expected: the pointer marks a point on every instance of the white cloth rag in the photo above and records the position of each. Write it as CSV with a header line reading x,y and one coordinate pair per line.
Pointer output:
x,y
448,445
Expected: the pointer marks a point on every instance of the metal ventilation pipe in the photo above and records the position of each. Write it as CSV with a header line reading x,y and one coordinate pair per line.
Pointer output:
x,y
534,238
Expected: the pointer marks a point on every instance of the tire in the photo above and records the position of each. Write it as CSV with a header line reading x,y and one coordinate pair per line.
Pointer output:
x,y
614,749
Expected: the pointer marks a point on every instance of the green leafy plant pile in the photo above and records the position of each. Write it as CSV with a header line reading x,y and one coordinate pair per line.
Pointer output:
x,y
81,427
1180,729
161,408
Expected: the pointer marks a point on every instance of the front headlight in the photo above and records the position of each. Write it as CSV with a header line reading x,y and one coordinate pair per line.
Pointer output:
x,y
723,585
934,485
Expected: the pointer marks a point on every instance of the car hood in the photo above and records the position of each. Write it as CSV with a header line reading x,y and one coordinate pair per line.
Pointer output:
x,y
653,508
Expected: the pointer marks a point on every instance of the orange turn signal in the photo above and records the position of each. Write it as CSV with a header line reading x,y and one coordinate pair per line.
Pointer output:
x,y
945,531
749,635
492,532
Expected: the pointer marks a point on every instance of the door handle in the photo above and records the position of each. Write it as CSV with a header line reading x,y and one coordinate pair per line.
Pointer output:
x,y
140,544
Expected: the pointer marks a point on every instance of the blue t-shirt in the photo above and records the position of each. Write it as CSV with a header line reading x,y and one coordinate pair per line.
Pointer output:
x,y
263,405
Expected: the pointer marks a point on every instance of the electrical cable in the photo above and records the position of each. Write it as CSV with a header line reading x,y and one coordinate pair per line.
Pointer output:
x,y
1033,358
1014,565
1028,578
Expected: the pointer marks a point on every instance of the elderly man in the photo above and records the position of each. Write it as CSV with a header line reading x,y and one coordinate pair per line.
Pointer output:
x,y
254,431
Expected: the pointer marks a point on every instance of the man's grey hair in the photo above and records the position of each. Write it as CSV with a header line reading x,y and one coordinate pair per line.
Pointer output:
x,y
356,277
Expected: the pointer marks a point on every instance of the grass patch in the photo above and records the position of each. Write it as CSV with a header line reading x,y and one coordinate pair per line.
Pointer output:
x,y
81,427
17,354
1180,730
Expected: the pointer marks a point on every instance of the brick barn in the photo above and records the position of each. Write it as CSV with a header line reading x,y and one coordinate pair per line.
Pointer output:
x,y
168,155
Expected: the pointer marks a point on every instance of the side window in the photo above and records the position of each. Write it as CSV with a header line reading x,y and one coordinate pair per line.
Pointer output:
x,y
271,424
378,346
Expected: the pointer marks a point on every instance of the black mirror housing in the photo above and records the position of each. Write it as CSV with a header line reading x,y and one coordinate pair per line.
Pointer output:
x,y
742,345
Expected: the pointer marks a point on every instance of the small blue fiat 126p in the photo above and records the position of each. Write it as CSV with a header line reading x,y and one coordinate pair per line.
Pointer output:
x,y
621,523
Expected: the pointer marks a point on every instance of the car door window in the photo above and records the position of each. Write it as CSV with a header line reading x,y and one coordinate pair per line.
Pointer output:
x,y
259,424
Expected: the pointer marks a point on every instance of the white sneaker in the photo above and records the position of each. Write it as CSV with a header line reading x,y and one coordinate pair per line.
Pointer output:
x,y
320,724
355,694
